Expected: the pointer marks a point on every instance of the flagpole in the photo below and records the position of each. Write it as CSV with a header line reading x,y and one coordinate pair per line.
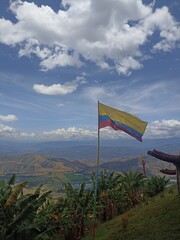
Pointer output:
x,y
96,179
98,156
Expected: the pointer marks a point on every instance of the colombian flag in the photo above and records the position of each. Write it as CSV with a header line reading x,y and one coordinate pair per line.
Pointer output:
x,y
120,120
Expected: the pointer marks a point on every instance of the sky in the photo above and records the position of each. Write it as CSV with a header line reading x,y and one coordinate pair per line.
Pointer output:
x,y
59,58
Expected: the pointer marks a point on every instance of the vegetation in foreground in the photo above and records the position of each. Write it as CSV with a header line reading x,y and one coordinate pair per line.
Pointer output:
x,y
157,218
36,216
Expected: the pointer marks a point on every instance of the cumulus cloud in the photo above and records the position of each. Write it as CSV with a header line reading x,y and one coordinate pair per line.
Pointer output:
x,y
27,135
59,89
82,133
72,35
6,130
51,57
8,118
164,128
70,133
169,29
156,129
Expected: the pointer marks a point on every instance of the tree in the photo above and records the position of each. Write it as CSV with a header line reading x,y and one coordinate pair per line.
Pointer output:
x,y
132,184
79,204
107,193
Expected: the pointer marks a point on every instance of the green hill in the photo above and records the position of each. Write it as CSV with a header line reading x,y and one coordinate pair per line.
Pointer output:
x,y
159,218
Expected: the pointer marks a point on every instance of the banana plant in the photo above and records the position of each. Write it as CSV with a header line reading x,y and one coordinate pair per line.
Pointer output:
x,y
79,203
155,185
132,185
108,183
18,212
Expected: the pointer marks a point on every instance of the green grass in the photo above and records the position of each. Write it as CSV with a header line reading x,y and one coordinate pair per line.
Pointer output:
x,y
157,219
74,177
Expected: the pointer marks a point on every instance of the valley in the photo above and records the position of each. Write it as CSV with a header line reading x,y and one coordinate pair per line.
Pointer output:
x,y
55,163
54,172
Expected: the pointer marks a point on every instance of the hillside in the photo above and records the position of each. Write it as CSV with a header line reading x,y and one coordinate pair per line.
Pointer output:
x,y
38,169
54,163
53,172
157,219
33,164
30,164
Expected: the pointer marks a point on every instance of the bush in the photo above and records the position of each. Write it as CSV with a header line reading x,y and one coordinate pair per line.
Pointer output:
x,y
155,185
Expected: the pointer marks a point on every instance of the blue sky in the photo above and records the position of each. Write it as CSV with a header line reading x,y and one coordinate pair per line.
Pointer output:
x,y
58,58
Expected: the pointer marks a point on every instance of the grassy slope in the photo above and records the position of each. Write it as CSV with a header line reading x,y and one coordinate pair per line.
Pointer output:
x,y
157,219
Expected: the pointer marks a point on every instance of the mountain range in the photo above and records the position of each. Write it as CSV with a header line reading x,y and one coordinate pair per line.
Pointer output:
x,y
55,163
87,150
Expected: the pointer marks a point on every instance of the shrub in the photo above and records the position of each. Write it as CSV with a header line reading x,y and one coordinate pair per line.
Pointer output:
x,y
155,185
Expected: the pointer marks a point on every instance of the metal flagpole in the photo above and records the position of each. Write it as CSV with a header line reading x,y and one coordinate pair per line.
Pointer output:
x,y
96,180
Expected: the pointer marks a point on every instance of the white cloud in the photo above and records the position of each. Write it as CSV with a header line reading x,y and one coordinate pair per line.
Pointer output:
x,y
164,128
60,59
51,57
8,118
55,89
6,130
157,129
59,89
15,34
82,133
169,29
127,64
114,30
27,135
13,133
70,133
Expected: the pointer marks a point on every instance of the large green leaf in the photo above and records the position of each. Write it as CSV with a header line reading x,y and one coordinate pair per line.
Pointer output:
x,y
12,180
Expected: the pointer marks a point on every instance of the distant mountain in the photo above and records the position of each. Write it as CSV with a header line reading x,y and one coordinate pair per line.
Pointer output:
x,y
53,172
31,164
36,165
87,150
121,165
